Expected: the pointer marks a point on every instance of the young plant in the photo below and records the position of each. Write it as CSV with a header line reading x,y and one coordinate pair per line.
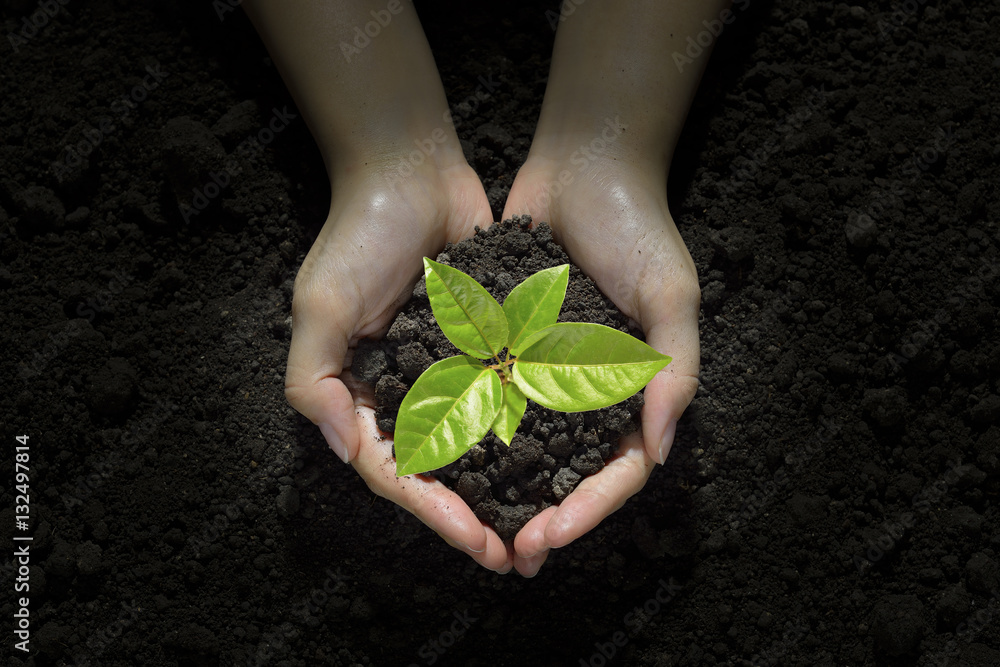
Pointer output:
x,y
512,353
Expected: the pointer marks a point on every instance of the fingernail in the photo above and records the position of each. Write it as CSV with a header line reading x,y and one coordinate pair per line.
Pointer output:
x,y
668,440
504,570
462,546
332,439
536,568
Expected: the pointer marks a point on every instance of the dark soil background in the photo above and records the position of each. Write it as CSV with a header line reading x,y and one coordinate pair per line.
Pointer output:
x,y
832,496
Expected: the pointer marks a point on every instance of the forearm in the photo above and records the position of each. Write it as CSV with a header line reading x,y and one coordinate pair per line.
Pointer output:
x,y
614,66
364,97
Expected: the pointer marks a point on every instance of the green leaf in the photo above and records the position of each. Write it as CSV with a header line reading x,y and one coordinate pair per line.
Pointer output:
x,y
447,410
575,367
471,319
534,304
511,411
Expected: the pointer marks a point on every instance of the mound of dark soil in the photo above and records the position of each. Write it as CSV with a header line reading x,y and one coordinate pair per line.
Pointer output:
x,y
552,451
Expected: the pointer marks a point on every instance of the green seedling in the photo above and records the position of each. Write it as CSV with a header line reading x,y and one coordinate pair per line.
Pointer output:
x,y
512,353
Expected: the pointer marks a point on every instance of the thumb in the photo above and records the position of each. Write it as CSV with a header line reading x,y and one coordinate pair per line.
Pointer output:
x,y
674,333
315,362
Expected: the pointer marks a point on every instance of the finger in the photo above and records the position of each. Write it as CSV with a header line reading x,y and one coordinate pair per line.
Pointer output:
x,y
489,557
333,404
529,567
599,495
315,359
525,199
530,548
671,390
672,329
530,540
441,509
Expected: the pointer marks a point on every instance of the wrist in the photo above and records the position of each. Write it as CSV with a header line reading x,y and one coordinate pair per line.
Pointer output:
x,y
610,141
416,148
574,162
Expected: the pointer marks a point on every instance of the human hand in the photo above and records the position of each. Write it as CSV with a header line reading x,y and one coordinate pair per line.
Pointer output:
x,y
613,221
357,274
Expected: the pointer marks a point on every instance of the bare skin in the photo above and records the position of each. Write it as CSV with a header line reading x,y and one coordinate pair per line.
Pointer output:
x,y
612,79
613,111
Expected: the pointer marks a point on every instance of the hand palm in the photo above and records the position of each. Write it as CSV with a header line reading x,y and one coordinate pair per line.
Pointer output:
x,y
618,229
359,271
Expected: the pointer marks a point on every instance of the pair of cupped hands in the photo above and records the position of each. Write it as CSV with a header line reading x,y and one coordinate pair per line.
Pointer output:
x,y
613,221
